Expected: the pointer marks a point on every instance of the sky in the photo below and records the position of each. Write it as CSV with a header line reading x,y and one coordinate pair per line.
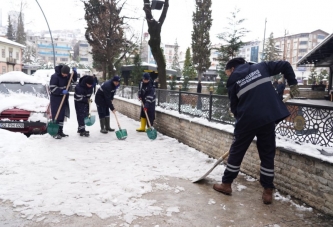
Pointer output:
x,y
282,16
103,175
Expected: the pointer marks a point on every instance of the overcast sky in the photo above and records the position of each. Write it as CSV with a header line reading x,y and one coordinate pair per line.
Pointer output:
x,y
295,16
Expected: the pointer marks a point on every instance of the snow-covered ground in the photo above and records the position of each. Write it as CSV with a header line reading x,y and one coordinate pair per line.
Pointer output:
x,y
92,175
98,174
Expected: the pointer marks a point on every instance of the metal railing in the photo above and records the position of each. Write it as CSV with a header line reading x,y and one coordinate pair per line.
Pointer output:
x,y
11,60
307,123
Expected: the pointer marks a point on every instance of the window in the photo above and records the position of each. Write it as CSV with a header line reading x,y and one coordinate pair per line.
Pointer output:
x,y
83,59
51,59
3,53
3,69
302,50
303,43
17,56
83,45
319,36
10,52
64,59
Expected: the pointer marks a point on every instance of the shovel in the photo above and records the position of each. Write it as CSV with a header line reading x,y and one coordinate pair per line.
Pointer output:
x,y
151,131
52,126
90,120
121,133
224,156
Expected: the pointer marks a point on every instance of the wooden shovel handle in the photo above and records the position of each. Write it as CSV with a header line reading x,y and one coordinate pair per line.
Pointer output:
x,y
145,113
63,98
117,120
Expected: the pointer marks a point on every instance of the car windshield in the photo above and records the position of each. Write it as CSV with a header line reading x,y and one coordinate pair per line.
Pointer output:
x,y
35,89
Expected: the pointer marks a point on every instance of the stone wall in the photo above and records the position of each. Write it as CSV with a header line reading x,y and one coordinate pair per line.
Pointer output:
x,y
303,177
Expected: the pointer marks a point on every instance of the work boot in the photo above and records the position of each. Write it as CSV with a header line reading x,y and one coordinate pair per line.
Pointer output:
x,y
58,137
102,122
62,134
107,125
267,195
143,125
84,133
224,188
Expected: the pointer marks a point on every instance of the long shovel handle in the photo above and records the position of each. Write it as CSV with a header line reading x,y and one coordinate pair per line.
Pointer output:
x,y
63,98
145,114
117,120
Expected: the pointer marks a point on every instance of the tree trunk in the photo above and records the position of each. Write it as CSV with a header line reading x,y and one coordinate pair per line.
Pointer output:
x,y
154,30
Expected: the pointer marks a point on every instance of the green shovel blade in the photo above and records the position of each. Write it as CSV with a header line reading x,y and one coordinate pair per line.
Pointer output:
x,y
52,128
89,121
121,134
151,133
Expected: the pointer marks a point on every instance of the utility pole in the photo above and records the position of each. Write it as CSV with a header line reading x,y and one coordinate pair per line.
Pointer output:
x,y
284,48
263,43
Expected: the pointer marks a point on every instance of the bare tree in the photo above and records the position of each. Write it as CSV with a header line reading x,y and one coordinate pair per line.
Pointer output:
x,y
154,30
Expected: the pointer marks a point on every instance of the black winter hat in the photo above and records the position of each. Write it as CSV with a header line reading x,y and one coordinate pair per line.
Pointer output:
x,y
65,69
233,63
146,76
90,80
116,78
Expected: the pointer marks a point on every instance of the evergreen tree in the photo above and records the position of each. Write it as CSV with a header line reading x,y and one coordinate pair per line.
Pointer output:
x,y
10,31
175,61
20,34
136,73
232,39
202,22
189,70
313,76
271,53
173,83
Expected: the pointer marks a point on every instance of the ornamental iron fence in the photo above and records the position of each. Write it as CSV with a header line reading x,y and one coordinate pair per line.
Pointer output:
x,y
307,122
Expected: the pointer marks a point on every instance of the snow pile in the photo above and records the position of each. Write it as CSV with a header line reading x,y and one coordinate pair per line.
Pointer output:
x,y
24,101
18,76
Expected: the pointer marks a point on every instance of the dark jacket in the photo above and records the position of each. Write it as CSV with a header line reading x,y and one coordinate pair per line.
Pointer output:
x,y
58,83
82,91
148,96
105,94
199,87
280,90
253,99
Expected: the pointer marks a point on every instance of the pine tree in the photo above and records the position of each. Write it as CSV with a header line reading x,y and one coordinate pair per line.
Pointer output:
x,y
175,61
10,31
202,22
136,73
271,53
232,37
20,34
189,70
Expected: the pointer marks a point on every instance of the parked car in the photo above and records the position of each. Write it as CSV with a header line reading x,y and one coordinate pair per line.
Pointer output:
x,y
25,105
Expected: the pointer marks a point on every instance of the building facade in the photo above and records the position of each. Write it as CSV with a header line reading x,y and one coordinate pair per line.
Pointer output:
x,y
294,47
11,56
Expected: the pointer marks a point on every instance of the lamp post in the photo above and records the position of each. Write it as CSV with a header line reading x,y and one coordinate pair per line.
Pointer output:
x,y
50,33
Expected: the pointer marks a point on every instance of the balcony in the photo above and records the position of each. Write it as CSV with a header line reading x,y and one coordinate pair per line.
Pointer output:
x,y
11,61
55,47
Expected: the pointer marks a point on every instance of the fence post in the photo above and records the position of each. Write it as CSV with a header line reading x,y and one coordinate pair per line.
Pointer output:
x,y
210,102
158,95
131,90
180,97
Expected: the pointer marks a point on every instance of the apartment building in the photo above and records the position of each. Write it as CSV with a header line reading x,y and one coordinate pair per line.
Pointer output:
x,y
82,54
11,55
294,47
250,51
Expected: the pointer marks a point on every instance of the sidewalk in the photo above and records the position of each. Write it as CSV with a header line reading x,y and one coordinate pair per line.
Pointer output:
x,y
194,205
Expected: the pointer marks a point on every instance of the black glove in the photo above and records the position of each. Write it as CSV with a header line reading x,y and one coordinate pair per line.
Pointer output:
x,y
294,91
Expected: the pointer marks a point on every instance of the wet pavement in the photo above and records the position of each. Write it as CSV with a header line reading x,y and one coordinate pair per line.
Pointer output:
x,y
189,204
